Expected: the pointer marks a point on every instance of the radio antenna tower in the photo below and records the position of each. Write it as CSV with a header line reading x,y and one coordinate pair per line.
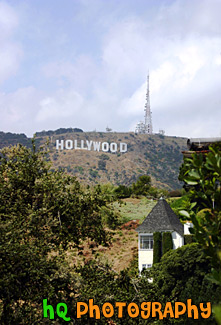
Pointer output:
x,y
148,117
146,126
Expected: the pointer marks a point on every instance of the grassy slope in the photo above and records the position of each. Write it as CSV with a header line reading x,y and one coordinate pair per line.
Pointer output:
x,y
124,242
134,208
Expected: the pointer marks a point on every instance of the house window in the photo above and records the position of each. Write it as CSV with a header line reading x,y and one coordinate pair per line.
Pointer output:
x,y
146,242
146,266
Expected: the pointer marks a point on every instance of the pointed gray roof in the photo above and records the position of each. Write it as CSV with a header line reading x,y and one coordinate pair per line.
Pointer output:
x,y
161,218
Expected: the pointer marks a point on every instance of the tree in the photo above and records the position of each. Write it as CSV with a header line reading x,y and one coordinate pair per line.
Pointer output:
x,y
40,212
203,176
122,191
47,200
142,185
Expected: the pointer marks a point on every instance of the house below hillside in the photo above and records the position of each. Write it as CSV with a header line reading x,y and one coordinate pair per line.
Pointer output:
x,y
161,219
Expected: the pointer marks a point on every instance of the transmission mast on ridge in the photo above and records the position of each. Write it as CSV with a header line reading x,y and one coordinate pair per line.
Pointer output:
x,y
146,126
148,117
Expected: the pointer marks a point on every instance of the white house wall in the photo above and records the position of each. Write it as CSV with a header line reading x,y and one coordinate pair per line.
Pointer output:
x,y
187,226
145,256
178,240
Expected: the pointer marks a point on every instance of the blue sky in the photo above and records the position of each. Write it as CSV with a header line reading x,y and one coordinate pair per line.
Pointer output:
x,y
83,63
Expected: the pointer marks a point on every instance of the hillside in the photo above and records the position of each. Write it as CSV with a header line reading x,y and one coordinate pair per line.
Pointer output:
x,y
123,248
157,155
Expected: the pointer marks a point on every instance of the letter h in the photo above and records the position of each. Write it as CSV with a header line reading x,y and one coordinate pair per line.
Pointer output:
x,y
47,308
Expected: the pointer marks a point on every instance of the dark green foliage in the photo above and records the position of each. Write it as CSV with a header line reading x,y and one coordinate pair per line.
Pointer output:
x,y
156,193
78,169
122,191
102,164
26,276
157,247
103,156
40,212
167,242
181,275
103,284
55,156
142,186
109,217
93,173
29,190
58,131
203,176
189,239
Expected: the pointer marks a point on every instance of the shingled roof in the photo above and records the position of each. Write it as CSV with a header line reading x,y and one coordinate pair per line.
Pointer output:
x,y
161,218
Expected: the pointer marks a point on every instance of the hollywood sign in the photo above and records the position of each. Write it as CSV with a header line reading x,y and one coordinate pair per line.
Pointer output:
x,y
91,145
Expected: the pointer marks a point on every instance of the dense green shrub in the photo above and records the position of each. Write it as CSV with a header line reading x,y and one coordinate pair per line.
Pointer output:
x,y
93,173
102,164
157,247
167,242
103,156
109,217
122,191
189,239
183,274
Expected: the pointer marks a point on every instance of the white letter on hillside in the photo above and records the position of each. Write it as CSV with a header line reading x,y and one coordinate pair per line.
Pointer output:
x,y
76,144
123,147
69,144
59,145
96,146
89,144
105,146
113,147
82,145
